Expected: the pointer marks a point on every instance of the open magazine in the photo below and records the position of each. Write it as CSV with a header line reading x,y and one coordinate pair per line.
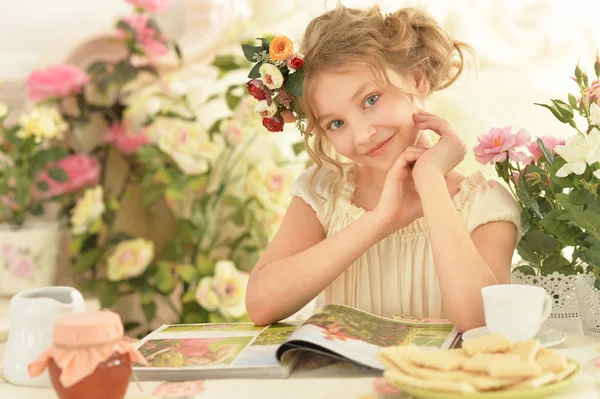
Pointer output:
x,y
236,350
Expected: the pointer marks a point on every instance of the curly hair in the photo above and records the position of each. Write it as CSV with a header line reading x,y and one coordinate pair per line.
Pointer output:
x,y
405,41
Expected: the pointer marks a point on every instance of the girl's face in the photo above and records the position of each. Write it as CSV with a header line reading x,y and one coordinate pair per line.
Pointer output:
x,y
365,123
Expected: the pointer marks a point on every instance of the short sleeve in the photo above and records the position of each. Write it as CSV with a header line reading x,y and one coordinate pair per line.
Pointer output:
x,y
315,187
491,202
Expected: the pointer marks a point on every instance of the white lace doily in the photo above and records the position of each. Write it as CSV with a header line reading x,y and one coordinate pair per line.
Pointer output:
x,y
561,289
565,308
588,297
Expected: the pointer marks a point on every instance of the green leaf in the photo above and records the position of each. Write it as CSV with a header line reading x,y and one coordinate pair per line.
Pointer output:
x,y
125,71
152,194
43,186
230,200
98,67
255,71
554,225
558,163
146,295
103,82
577,196
87,259
265,43
131,325
195,317
216,318
187,231
573,101
149,69
188,273
164,279
124,26
4,187
178,51
152,24
148,153
232,100
173,250
37,210
587,220
58,174
556,263
226,63
149,311
526,270
118,237
298,147
554,111
110,296
250,51
547,153
293,84
563,109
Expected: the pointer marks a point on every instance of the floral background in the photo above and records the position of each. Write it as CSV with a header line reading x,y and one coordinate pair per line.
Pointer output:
x,y
526,53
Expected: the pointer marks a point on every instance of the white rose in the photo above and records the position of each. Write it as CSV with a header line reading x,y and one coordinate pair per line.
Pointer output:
x,y
271,76
3,110
88,210
206,295
265,110
595,114
43,123
131,258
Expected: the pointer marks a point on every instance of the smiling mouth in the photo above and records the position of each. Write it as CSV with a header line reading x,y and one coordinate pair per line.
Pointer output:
x,y
379,146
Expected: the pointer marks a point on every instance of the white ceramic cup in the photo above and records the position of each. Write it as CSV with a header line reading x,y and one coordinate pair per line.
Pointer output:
x,y
515,310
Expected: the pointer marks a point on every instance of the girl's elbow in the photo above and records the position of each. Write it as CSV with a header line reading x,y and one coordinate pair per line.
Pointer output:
x,y
260,311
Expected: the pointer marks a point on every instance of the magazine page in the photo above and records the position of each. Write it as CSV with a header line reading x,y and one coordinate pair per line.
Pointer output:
x,y
349,333
176,352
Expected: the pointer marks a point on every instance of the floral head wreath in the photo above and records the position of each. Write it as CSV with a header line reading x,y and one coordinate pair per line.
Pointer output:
x,y
276,81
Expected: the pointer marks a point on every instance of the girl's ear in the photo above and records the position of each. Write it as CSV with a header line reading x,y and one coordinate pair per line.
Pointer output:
x,y
421,82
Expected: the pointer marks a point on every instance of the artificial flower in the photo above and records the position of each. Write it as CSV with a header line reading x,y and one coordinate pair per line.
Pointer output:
x,y
233,131
225,292
151,41
280,48
578,152
295,62
269,183
123,140
595,114
82,171
56,81
498,142
266,110
42,123
130,259
274,124
257,89
271,76
88,210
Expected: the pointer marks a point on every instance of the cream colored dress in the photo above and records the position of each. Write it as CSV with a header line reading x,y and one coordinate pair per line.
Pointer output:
x,y
397,275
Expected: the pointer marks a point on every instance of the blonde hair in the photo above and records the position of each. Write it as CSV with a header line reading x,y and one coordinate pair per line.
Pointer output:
x,y
405,41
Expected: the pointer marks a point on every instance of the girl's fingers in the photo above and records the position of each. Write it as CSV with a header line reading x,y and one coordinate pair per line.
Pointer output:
x,y
436,125
400,167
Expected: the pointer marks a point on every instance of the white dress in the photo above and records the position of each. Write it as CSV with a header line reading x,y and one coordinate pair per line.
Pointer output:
x,y
397,275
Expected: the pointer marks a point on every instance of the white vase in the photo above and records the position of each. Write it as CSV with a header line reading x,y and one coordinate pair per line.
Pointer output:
x,y
565,313
28,256
588,297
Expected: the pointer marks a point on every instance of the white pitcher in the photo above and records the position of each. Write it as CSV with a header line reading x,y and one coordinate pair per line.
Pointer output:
x,y
32,314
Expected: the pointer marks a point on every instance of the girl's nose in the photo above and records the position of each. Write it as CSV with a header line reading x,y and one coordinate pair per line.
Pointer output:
x,y
365,134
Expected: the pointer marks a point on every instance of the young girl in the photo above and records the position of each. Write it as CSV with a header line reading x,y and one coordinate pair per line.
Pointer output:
x,y
394,229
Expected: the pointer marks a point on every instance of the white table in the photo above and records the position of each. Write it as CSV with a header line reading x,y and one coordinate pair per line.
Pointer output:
x,y
330,382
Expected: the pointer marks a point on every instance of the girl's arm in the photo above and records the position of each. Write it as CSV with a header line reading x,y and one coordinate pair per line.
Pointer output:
x,y
300,262
465,263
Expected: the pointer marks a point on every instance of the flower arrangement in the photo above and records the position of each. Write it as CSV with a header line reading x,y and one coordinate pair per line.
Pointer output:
x,y
34,168
556,182
276,81
225,203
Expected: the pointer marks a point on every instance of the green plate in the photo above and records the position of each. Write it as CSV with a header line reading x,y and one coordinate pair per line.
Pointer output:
x,y
507,394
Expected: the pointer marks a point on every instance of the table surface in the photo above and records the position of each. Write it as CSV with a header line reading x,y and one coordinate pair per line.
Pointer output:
x,y
338,380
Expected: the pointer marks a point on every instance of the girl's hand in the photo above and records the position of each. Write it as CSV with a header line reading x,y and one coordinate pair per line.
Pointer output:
x,y
398,206
443,156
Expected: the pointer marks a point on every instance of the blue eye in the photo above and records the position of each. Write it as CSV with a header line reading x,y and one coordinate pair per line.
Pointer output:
x,y
335,125
371,100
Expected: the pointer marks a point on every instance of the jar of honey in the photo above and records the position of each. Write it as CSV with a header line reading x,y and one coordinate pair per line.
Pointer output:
x,y
89,357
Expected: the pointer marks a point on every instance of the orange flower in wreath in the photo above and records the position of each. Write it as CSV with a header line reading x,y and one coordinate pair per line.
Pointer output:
x,y
281,48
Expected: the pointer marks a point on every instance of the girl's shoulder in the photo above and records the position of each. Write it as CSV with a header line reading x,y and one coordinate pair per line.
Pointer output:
x,y
481,200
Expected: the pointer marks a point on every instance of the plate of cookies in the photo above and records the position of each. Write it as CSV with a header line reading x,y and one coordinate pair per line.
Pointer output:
x,y
486,367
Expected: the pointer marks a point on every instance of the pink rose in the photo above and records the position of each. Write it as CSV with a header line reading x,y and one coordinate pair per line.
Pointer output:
x,y
549,141
195,347
594,92
152,42
9,252
56,81
151,5
21,266
82,170
179,389
123,140
494,146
